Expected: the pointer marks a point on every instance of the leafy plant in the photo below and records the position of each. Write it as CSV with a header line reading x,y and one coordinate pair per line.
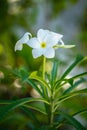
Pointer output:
x,y
51,96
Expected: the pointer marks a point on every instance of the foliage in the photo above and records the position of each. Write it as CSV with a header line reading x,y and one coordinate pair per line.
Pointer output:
x,y
52,96
19,16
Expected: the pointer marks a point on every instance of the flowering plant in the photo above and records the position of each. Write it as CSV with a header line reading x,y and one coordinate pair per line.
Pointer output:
x,y
48,85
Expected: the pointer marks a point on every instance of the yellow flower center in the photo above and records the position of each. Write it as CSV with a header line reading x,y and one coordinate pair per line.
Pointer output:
x,y
43,44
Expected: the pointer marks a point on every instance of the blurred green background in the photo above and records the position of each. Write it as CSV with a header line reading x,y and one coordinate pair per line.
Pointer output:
x,y
67,17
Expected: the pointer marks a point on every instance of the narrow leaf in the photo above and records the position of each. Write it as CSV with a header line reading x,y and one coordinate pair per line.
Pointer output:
x,y
64,46
30,114
38,107
69,69
33,85
80,112
72,121
60,84
78,59
39,79
72,87
54,72
73,78
67,96
5,109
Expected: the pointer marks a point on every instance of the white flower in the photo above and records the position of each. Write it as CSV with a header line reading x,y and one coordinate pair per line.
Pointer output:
x,y
23,40
44,43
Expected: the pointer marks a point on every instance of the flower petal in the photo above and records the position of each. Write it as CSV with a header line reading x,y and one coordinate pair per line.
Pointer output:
x,y
49,53
23,40
37,52
18,46
61,42
51,41
53,38
34,43
59,36
41,34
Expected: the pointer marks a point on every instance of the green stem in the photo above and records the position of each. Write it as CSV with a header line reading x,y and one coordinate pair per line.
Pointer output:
x,y
51,115
52,110
44,62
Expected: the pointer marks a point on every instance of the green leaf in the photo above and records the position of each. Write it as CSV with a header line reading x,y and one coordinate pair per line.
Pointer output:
x,y
80,112
44,91
40,107
78,60
35,106
70,81
34,76
33,85
69,69
64,46
31,115
21,73
24,74
70,95
73,78
82,80
78,76
72,121
60,118
6,101
5,109
54,72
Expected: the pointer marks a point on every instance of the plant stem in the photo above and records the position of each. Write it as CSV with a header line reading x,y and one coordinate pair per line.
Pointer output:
x,y
44,62
52,110
51,114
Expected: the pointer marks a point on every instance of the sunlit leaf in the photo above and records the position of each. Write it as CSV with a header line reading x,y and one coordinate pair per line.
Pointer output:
x,y
38,107
34,76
